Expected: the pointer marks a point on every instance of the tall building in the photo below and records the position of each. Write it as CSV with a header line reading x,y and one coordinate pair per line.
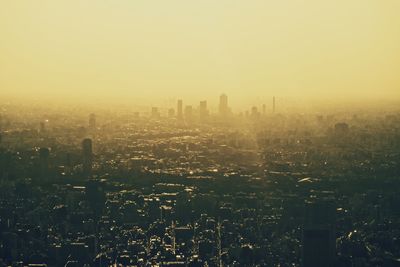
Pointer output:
x,y
223,105
254,112
87,156
92,121
203,111
155,114
273,104
179,109
44,154
42,128
264,109
188,113
319,237
171,112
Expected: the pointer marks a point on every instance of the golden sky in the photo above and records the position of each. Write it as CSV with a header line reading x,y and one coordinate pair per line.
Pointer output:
x,y
152,50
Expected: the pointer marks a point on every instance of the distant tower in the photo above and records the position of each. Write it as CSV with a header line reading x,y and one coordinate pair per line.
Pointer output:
x,y
264,109
154,113
188,113
273,104
341,133
171,112
44,154
254,112
203,111
87,156
42,127
180,109
92,121
223,105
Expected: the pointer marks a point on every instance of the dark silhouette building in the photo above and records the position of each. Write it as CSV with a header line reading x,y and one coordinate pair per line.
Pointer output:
x,y
87,156
44,154
189,113
203,111
179,109
319,240
92,121
155,114
273,104
223,105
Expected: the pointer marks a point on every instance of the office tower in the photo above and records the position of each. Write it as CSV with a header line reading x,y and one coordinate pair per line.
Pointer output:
x,y
171,112
44,154
92,121
188,113
264,109
154,113
273,104
87,156
254,112
341,134
223,105
95,196
68,163
319,237
42,127
180,109
203,111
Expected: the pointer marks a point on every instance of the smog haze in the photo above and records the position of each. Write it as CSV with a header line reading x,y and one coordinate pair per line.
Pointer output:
x,y
155,51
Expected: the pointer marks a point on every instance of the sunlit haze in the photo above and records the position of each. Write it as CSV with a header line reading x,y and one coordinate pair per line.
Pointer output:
x,y
207,133
154,52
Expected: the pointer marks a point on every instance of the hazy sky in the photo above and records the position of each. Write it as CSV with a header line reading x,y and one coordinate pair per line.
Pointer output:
x,y
156,50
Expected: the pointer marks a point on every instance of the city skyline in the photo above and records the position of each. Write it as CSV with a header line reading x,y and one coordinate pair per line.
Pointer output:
x,y
204,133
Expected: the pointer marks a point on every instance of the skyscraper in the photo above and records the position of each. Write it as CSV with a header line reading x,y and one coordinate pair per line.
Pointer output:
x,y
180,109
273,104
87,156
203,112
171,112
254,112
44,154
188,113
42,128
92,121
319,237
154,113
223,105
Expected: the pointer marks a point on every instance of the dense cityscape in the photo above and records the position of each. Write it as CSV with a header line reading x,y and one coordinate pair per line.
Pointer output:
x,y
190,186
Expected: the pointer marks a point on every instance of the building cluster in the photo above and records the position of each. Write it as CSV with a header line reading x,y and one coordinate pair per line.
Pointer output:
x,y
266,189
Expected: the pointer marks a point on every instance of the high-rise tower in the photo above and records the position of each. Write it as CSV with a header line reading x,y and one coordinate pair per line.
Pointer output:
x,y
44,154
87,156
273,104
92,121
179,109
319,237
155,114
223,105
188,113
203,112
